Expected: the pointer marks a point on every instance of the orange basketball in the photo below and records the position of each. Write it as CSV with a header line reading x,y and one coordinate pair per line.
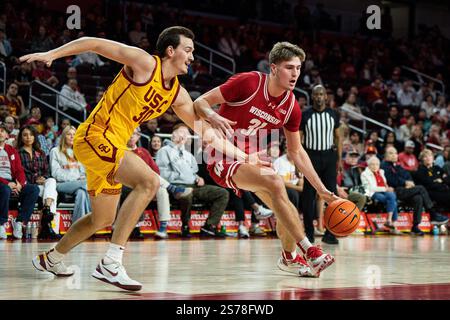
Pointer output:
x,y
341,217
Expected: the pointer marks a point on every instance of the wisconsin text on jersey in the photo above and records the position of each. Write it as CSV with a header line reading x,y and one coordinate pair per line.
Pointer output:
x,y
264,115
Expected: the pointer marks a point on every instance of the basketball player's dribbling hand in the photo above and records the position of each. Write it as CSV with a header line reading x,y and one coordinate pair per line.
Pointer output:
x,y
329,196
40,56
221,124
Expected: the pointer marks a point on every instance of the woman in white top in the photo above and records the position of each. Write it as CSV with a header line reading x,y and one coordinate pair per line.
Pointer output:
x,y
376,187
70,174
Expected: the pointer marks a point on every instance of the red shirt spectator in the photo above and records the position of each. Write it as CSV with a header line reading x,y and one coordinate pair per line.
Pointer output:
x,y
407,159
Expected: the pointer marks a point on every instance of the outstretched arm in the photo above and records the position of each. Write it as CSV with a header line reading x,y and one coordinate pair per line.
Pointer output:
x,y
185,111
141,62
303,163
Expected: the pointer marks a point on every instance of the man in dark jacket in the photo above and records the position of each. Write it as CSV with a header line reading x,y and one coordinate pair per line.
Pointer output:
x,y
433,179
13,182
406,190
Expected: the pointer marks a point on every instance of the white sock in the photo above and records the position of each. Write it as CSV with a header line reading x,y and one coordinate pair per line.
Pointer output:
x,y
55,256
304,245
114,253
289,255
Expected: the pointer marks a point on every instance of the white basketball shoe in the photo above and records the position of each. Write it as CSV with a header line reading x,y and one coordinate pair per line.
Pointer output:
x,y
318,260
297,266
114,273
42,263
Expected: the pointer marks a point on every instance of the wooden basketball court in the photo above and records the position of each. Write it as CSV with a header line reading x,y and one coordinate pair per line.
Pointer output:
x,y
382,267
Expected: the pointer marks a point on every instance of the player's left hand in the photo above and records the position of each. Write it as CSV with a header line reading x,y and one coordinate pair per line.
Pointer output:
x,y
223,125
45,57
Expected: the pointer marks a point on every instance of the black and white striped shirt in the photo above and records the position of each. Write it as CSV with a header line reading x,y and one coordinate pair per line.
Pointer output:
x,y
318,128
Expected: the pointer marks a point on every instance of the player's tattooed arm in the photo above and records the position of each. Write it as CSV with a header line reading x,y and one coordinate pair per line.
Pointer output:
x,y
202,107
140,62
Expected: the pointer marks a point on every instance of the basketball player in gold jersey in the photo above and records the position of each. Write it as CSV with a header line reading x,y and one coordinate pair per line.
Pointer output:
x,y
144,89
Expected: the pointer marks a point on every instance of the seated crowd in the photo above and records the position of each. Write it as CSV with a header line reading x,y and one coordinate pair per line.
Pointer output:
x,y
38,167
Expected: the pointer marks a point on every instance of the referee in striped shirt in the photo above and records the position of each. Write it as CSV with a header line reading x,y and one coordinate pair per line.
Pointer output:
x,y
321,140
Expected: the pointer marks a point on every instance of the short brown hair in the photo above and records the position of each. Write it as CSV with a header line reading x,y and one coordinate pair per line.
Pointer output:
x,y
283,51
171,37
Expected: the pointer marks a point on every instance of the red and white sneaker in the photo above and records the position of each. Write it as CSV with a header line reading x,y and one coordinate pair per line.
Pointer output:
x,y
318,260
297,266
115,274
42,263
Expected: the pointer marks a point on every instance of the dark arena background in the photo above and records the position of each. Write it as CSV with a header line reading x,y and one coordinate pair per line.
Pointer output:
x,y
385,70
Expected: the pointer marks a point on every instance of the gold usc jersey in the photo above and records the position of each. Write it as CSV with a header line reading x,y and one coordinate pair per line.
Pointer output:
x,y
101,140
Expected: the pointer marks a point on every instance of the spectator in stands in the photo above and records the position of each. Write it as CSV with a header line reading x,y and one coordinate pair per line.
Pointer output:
x,y
395,80
423,121
179,167
417,139
443,158
5,45
428,106
228,45
239,204
64,122
37,172
406,113
407,191
167,121
71,73
407,159
405,131
144,44
90,59
441,102
434,135
162,195
4,112
136,34
155,145
70,174
391,141
293,180
313,78
391,95
41,73
149,128
42,42
350,103
355,142
394,114
377,188
351,187
433,179
302,102
13,183
406,96
374,94
71,98
35,119
10,125
14,101
50,131
446,160
23,77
